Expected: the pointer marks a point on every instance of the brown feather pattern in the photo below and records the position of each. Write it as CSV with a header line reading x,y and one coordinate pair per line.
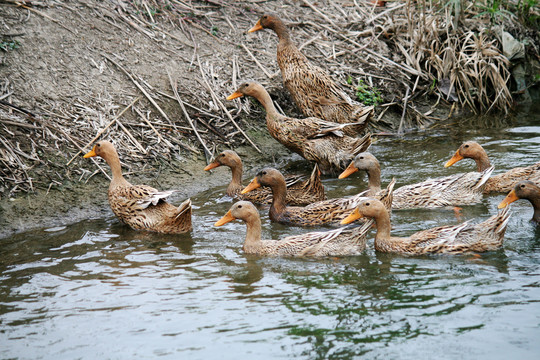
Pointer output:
x,y
300,191
453,190
327,212
314,139
312,88
140,206
454,239
500,183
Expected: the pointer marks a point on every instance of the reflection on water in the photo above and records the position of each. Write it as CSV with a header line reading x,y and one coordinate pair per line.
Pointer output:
x,y
100,290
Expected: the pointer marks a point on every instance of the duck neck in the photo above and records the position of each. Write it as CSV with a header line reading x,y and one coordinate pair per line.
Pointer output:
x,y
279,193
482,161
236,183
535,201
266,101
382,222
374,180
282,32
253,234
116,169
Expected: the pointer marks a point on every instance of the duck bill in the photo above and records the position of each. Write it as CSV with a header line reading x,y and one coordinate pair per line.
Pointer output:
x,y
254,184
225,219
510,198
91,153
211,166
235,95
257,27
355,215
351,169
454,159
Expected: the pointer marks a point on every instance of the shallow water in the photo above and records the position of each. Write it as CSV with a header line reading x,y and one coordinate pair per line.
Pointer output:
x,y
99,290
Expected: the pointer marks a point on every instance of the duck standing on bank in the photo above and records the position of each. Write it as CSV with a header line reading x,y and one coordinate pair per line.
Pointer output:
x,y
314,139
299,192
312,88
140,206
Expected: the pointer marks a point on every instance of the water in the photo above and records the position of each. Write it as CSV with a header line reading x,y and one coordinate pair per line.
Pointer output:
x,y
98,290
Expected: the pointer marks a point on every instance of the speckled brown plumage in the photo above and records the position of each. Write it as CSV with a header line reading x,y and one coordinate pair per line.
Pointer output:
x,y
327,212
299,191
452,239
312,88
339,242
500,183
140,206
454,190
314,139
528,190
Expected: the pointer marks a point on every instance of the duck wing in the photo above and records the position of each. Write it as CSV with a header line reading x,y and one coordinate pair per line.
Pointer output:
x,y
458,189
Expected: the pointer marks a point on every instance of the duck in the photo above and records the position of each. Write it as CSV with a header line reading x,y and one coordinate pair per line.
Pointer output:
x,y
299,192
316,140
141,206
525,189
312,88
344,241
501,183
448,191
327,212
451,239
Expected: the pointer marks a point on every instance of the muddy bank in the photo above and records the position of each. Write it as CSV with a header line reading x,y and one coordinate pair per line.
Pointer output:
x,y
154,80
76,201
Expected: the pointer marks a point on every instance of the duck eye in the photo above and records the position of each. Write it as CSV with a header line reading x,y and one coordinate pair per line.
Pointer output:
x,y
98,144
239,206
265,17
367,204
466,146
264,172
222,155
522,186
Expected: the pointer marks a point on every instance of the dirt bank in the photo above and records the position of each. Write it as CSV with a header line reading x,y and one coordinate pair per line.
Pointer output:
x,y
72,72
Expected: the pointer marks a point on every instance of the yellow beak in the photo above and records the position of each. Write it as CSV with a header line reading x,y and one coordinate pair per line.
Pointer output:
x,y
355,215
254,184
235,95
510,198
211,166
454,159
257,27
225,219
91,153
351,169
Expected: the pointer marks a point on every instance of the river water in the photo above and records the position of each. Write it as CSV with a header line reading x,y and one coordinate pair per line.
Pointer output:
x,y
97,290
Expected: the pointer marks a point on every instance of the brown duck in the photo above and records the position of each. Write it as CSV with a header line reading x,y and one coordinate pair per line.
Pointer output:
x,y
452,239
140,206
312,88
454,190
499,183
525,189
327,212
312,138
339,242
299,192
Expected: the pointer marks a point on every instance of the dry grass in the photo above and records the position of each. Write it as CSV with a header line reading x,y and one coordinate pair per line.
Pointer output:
x,y
409,51
465,61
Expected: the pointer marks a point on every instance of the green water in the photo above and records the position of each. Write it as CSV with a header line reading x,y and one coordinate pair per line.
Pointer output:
x,y
96,290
